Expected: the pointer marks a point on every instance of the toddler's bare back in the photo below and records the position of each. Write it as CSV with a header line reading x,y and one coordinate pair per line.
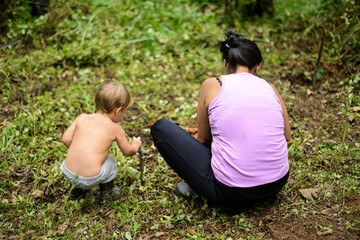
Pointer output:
x,y
92,139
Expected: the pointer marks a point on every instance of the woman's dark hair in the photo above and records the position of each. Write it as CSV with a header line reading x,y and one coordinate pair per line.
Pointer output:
x,y
237,50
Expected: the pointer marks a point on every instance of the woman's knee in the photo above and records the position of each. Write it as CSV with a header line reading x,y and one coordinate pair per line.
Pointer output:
x,y
160,124
163,128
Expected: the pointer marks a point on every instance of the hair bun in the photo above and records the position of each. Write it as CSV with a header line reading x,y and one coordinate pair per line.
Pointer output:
x,y
233,39
237,50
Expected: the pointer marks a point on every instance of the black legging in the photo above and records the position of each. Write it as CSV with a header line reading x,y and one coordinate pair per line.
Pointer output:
x,y
191,160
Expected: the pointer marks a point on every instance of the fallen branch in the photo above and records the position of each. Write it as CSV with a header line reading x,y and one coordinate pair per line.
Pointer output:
x,y
319,55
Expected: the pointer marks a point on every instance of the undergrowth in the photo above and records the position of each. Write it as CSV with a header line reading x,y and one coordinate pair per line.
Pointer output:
x,y
51,66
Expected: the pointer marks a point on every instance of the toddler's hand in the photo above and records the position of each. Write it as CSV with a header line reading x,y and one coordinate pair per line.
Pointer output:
x,y
136,142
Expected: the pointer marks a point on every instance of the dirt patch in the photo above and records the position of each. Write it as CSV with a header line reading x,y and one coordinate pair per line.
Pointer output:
x,y
40,89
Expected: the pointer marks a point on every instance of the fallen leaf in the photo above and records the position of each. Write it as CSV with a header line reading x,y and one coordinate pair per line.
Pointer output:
x,y
64,64
269,226
147,237
66,74
313,212
323,233
176,122
159,234
192,130
62,227
309,193
149,124
43,43
356,108
357,144
59,136
191,231
3,123
325,212
30,232
309,92
56,34
38,193
351,117
78,222
110,214
170,226
153,147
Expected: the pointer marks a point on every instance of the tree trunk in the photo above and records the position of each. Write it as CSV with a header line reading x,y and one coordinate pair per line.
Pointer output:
x,y
258,8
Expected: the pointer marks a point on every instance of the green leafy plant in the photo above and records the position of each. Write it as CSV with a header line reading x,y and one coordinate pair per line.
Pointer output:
x,y
162,51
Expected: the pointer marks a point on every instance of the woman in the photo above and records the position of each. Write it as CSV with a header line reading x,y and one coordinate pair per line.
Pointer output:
x,y
240,156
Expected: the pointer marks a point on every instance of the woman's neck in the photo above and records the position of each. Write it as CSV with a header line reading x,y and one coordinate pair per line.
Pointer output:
x,y
241,69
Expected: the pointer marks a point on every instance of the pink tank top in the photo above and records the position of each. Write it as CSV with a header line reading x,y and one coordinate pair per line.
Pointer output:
x,y
249,147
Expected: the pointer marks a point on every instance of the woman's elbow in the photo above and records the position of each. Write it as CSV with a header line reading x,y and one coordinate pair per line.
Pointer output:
x,y
201,139
205,141
288,136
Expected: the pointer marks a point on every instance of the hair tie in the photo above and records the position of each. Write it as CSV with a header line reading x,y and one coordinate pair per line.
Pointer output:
x,y
227,45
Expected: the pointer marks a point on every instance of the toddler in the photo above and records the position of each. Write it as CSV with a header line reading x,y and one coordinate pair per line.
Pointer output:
x,y
89,139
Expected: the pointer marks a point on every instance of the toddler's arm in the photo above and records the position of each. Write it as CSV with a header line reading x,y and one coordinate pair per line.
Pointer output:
x,y
127,148
69,134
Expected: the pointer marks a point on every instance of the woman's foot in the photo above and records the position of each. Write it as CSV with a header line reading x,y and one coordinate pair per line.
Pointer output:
x,y
183,190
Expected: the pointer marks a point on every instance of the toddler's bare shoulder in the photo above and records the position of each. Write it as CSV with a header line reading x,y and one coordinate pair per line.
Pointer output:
x,y
116,126
82,116
81,119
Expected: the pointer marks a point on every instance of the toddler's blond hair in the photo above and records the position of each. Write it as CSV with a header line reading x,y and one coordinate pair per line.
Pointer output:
x,y
112,95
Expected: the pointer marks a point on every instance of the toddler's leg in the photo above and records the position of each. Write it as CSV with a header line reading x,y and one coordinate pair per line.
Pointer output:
x,y
107,189
109,167
77,193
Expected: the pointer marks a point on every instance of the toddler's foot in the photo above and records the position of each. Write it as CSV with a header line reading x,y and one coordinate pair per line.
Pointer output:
x,y
183,190
108,191
77,193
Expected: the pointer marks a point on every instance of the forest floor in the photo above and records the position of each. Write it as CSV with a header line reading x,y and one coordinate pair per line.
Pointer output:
x,y
46,84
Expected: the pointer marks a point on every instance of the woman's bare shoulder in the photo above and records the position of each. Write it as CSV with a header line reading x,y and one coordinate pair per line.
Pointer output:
x,y
209,81
210,84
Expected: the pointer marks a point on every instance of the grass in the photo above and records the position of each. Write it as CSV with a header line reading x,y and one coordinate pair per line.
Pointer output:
x,y
162,52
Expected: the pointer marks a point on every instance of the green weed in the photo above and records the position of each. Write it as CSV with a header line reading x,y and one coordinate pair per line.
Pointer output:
x,y
162,51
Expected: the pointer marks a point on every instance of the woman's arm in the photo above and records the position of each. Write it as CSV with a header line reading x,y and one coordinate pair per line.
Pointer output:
x,y
285,115
209,90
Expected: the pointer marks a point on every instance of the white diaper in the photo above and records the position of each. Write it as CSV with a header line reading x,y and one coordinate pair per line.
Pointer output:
x,y
108,172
